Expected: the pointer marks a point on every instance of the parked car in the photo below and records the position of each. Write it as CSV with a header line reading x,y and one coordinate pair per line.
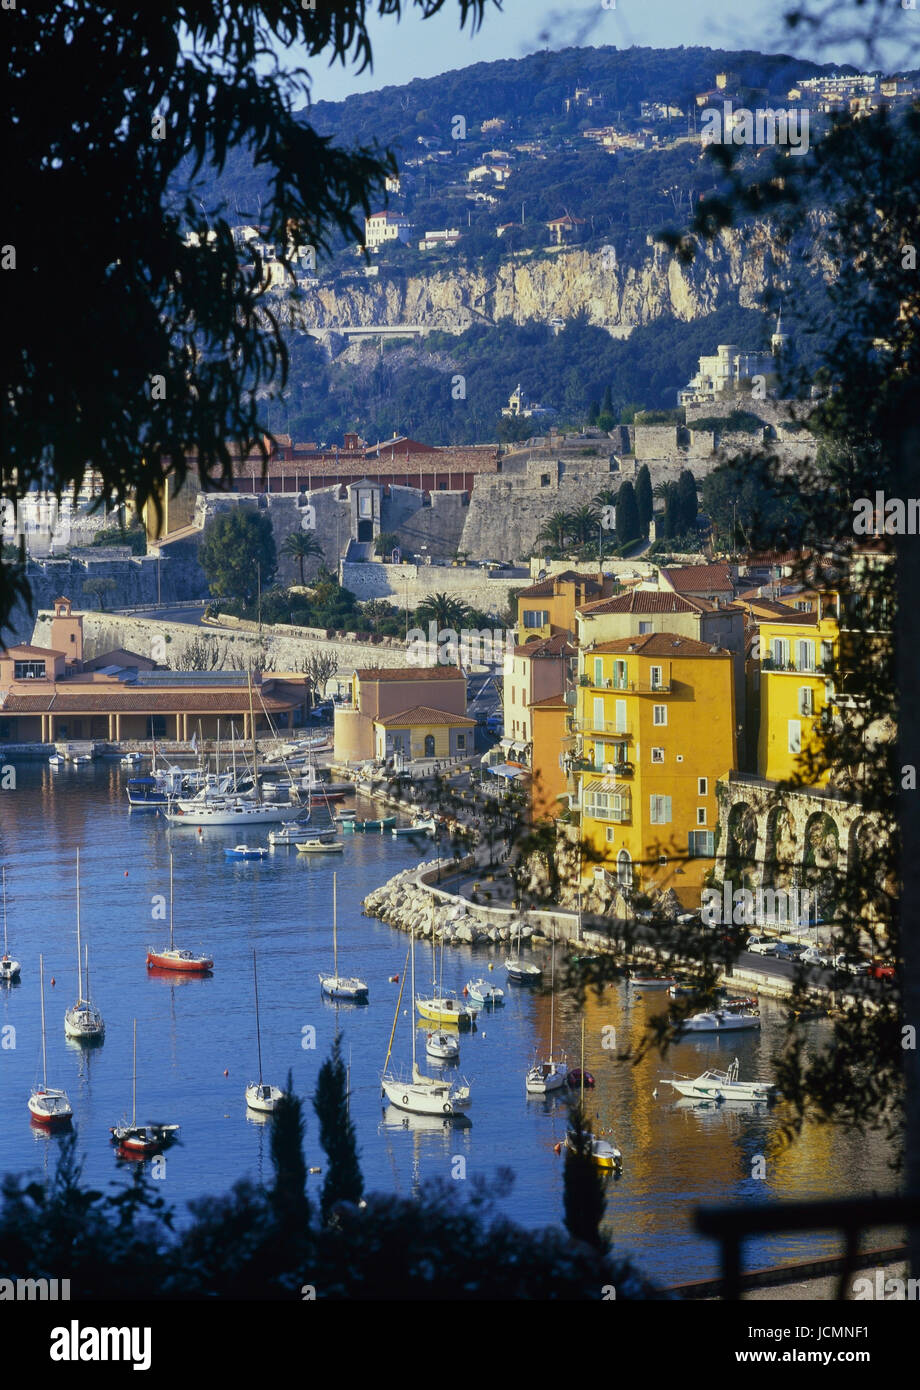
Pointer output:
x,y
788,950
761,945
854,965
815,956
882,969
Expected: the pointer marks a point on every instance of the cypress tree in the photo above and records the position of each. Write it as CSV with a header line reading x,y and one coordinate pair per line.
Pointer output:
x,y
343,1181
644,499
607,402
671,512
687,502
627,514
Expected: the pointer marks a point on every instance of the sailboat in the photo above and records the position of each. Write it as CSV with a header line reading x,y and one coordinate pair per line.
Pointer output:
x,y
83,1020
335,985
523,972
440,1044
603,1153
139,1141
48,1106
550,1074
171,957
421,1095
9,968
259,1095
444,1006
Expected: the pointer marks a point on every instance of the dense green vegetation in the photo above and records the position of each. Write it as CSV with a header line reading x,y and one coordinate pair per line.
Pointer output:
x,y
411,391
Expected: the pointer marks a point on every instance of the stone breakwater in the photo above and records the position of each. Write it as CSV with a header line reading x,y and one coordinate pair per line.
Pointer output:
x,y
407,903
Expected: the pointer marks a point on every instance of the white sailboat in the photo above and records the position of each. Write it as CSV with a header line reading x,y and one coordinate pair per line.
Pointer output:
x,y
335,985
442,1045
83,1020
140,1141
48,1105
523,972
421,1095
9,968
259,1095
550,1074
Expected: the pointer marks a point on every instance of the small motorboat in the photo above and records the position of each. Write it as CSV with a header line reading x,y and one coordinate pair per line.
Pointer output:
x,y
603,1153
523,972
287,834
486,995
145,792
446,1008
384,824
720,1021
341,816
578,1078
721,1086
246,852
131,759
318,846
420,826
81,759
651,981
55,762
444,1046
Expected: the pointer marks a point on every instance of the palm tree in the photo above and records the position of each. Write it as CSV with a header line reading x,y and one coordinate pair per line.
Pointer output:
x,y
556,530
300,545
584,523
607,497
443,610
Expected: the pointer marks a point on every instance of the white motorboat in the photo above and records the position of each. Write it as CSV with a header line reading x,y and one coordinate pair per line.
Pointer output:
x,y
720,1021
318,846
420,1094
420,826
259,1095
131,759
342,816
721,1086
553,1072
9,968
56,762
338,986
445,1047
485,995
48,1105
290,832
83,1020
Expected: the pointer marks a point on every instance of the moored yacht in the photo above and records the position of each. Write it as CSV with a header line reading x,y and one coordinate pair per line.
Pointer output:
x,y
721,1086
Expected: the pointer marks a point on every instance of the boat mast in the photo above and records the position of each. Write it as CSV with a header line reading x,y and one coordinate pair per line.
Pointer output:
x,y
170,900
552,997
582,1102
255,980
4,911
134,1081
79,953
412,1009
255,748
41,981
335,948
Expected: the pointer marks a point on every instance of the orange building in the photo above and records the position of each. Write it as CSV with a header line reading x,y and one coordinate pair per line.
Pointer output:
x,y
548,786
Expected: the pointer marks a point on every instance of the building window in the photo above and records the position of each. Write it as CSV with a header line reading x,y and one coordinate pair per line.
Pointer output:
x,y
29,670
701,815
795,736
657,755
461,742
659,714
827,655
611,833
598,670
624,869
779,652
619,675
805,656
806,700
536,617
660,810
656,673
701,844
544,480
644,627
702,786
620,717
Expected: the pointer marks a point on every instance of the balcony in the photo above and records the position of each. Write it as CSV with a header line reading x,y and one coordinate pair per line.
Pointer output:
x,y
618,814
628,687
605,726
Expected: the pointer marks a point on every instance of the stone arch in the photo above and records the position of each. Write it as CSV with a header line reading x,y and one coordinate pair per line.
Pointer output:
x,y
820,860
781,849
741,846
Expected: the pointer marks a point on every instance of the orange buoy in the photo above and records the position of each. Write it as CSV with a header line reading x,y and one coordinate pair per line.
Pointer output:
x,y
557,1148
52,981
226,1072
465,991
126,873
394,979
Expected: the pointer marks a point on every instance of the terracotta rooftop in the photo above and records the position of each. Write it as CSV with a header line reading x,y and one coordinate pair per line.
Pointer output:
x,y
410,673
691,578
117,699
550,702
647,601
424,714
558,645
24,649
544,588
670,644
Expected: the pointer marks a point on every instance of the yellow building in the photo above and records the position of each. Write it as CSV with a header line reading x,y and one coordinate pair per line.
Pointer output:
x,y
654,729
548,607
424,732
793,687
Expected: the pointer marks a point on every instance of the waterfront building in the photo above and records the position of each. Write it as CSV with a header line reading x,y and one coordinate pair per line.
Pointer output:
x,y
377,693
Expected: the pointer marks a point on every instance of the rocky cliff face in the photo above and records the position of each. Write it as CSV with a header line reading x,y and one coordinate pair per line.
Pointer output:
x,y
738,265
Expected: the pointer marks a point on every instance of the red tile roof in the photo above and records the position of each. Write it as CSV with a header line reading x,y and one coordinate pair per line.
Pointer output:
x,y
424,714
647,601
693,578
659,644
410,673
24,649
117,700
558,645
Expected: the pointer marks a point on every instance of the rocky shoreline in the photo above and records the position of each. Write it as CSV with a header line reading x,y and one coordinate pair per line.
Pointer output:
x,y
407,903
